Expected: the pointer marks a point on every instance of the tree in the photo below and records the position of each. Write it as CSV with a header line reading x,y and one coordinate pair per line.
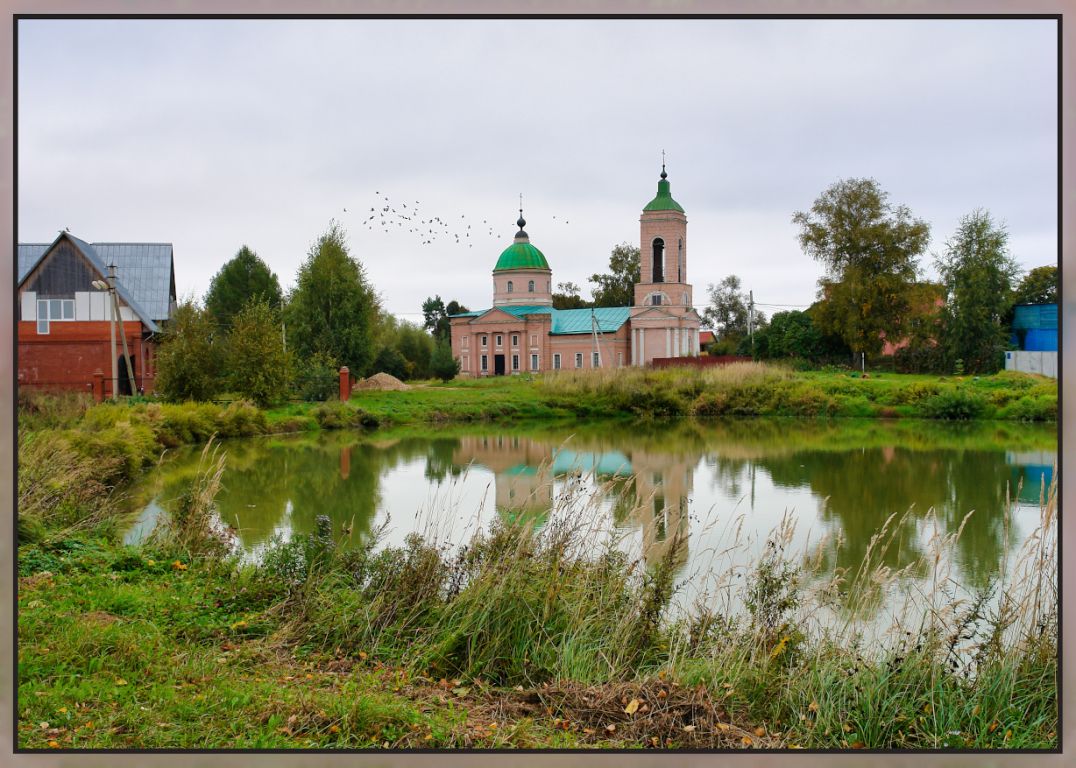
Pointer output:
x,y
617,287
1039,286
436,317
442,364
726,313
189,359
333,309
790,334
978,273
567,297
259,365
241,279
416,346
870,250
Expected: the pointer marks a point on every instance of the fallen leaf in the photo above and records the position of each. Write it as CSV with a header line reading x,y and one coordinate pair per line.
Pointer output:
x,y
120,681
54,744
689,728
813,706
611,727
858,745
760,731
747,741
334,728
461,691
847,728
722,726
632,706
975,710
993,727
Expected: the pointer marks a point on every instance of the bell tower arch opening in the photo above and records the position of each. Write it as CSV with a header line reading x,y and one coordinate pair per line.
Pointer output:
x,y
658,260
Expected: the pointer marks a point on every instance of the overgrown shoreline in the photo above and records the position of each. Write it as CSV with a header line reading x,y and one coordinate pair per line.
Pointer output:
x,y
522,639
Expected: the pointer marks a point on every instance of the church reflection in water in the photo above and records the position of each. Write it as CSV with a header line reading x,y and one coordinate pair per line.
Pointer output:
x,y
648,491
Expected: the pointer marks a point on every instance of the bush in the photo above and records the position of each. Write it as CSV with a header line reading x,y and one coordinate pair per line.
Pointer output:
x,y
442,364
190,357
337,415
319,379
259,363
955,403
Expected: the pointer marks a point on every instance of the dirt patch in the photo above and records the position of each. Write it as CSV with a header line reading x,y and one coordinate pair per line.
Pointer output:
x,y
40,579
99,618
381,381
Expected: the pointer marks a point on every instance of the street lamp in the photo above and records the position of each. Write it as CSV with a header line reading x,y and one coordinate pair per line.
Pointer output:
x,y
114,304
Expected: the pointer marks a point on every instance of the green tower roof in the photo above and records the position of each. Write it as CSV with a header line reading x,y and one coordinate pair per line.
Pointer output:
x,y
521,254
664,201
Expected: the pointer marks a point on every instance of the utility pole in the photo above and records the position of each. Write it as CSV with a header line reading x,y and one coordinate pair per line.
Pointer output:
x,y
115,361
594,334
751,319
123,335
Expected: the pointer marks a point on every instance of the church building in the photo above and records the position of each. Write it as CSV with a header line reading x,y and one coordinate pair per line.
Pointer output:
x,y
523,332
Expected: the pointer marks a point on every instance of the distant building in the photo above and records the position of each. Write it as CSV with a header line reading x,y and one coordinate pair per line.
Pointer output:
x,y
64,321
522,331
1034,333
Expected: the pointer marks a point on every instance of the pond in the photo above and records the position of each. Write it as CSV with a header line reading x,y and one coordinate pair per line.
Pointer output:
x,y
704,496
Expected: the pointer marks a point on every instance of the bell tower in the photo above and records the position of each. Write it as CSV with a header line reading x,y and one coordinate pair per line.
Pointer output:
x,y
664,323
663,251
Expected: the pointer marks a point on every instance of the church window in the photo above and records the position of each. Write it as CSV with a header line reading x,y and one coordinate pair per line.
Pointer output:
x,y
515,339
680,260
515,362
659,260
556,361
485,340
485,363
655,299
530,286
509,286
578,359
534,362
500,340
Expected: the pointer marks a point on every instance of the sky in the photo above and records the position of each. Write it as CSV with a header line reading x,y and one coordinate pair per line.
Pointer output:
x,y
214,134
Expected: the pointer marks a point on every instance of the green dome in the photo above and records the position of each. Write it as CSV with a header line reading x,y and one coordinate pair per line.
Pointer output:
x,y
664,201
521,255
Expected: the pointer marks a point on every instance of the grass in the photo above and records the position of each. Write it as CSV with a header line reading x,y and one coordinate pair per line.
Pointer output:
x,y
526,638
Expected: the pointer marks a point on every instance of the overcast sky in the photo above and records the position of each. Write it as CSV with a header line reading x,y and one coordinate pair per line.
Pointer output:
x,y
215,134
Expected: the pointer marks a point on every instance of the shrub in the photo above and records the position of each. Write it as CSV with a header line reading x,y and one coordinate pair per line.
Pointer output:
x,y
319,379
190,357
337,415
442,364
955,403
258,362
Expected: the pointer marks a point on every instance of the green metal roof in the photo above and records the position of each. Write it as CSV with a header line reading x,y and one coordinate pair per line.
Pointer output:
x,y
521,255
664,201
566,321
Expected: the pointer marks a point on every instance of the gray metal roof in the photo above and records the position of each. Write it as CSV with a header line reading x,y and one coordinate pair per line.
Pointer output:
x,y
144,276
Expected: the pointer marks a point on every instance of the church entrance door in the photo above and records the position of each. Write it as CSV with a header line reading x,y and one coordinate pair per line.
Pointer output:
x,y
498,365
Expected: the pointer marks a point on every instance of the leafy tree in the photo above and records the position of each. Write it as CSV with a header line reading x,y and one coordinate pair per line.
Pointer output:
x,y
442,364
259,365
617,287
389,360
726,312
416,346
333,309
436,317
567,297
978,273
1039,286
241,279
190,357
318,377
870,250
790,334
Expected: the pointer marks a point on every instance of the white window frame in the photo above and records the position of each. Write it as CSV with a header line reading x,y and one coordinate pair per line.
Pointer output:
x,y
485,340
578,359
595,361
485,363
530,287
515,340
556,361
499,340
510,286
515,362
48,305
534,362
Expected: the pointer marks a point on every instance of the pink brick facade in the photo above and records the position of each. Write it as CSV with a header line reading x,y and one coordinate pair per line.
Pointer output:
x,y
522,333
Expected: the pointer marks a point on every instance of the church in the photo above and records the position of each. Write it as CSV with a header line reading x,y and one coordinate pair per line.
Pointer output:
x,y
523,332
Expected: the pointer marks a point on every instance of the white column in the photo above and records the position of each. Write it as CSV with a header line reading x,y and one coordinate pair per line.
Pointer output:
x,y
668,342
642,346
676,342
683,341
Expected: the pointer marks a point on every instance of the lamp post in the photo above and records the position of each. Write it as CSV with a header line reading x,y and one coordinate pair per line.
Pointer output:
x,y
114,303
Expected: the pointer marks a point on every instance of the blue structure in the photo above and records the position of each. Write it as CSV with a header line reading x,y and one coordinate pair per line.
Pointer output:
x,y
1034,327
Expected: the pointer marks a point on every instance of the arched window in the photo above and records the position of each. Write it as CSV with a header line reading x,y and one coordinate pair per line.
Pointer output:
x,y
530,286
680,261
509,286
659,260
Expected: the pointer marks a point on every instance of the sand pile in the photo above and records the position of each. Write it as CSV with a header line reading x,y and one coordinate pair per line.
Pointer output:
x,y
380,381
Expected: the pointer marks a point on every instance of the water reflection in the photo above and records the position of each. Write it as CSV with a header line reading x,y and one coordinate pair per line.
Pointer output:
x,y
675,489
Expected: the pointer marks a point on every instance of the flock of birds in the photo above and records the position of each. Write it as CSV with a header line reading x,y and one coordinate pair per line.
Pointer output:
x,y
406,217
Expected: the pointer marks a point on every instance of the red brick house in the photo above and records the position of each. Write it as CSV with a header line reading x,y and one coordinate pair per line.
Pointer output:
x,y
64,321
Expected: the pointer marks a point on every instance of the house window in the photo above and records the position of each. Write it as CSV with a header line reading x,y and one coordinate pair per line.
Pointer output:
x,y
515,339
595,360
51,310
485,340
515,362
500,340
509,286
578,359
556,361
530,286
619,359
534,362
485,363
